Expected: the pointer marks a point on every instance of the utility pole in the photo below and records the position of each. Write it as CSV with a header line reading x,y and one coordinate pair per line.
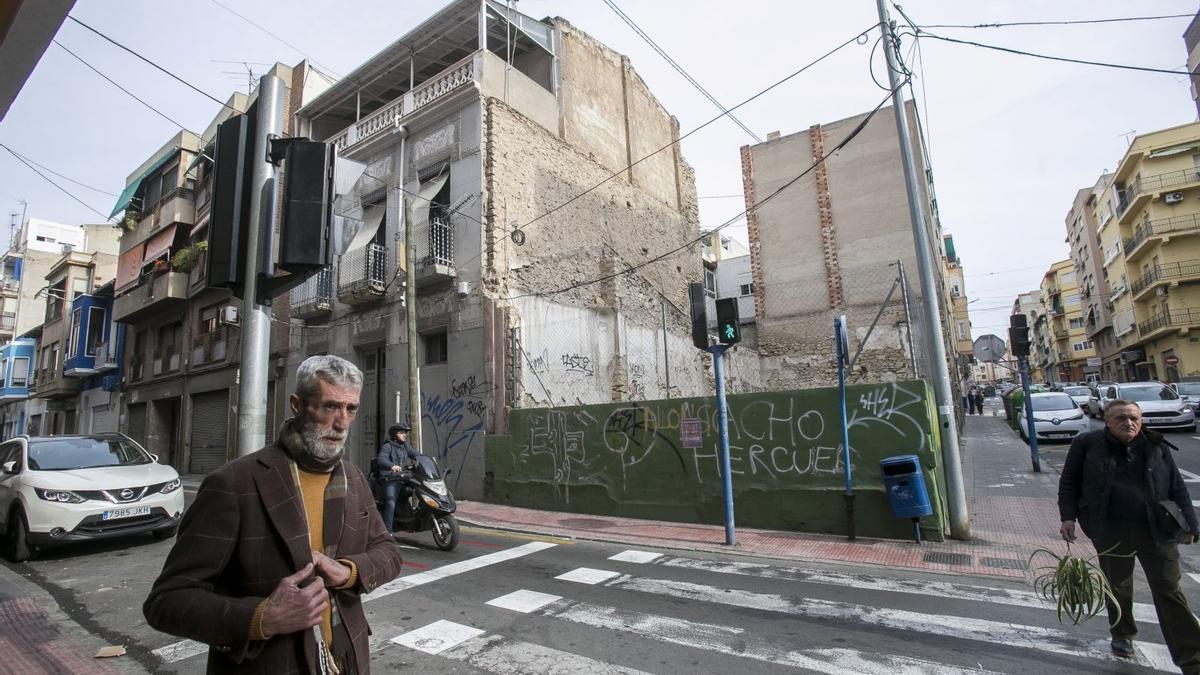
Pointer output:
x,y
256,318
960,523
410,306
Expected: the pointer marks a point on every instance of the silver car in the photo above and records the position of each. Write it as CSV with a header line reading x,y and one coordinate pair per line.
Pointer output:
x,y
1189,392
1161,407
1078,393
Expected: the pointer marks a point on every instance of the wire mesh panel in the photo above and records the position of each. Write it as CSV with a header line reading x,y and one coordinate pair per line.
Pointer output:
x,y
363,273
314,296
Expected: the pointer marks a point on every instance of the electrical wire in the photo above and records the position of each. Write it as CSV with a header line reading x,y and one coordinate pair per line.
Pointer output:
x,y
118,86
845,141
179,79
52,171
311,60
48,180
921,32
678,68
1074,22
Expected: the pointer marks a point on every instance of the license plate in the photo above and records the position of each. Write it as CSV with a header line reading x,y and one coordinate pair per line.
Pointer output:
x,y
1058,435
128,512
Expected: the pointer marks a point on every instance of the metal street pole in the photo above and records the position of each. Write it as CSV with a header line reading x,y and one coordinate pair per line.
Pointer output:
x,y
843,348
718,354
960,523
256,318
410,306
1027,402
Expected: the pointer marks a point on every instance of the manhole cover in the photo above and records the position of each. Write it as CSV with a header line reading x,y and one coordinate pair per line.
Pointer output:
x,y
585,523
1004,563
948,558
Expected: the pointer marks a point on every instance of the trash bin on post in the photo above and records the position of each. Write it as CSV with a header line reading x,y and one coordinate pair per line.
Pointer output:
x,y
905,487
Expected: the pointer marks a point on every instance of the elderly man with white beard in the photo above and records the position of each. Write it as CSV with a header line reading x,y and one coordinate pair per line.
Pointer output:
x,y
274,554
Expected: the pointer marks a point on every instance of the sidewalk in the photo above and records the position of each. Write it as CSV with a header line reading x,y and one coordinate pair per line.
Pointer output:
x,y
1013,512
37,637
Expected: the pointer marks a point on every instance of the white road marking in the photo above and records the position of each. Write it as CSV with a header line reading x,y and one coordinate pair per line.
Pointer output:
x,y
502,656
178,651
1195,577
524,601
1158,656
958,627
587,575
632,556
1142,611
437,637
436,574
1188,476
739,642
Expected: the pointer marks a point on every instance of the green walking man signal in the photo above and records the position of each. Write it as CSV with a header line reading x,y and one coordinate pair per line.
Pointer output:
x,y
729,329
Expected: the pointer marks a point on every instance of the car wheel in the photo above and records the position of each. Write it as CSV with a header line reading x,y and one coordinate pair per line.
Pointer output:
x,y
16,540
165,533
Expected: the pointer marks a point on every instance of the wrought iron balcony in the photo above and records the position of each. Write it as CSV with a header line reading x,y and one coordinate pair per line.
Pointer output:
x,y
211,346
1137,193
363,274
1162,227
435,252
1172,318
1165,273
314,297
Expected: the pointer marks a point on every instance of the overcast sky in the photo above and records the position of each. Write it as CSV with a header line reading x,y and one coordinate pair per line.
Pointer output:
x,y
1012,138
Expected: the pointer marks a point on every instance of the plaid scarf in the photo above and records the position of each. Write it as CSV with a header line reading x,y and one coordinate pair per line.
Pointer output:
x,y
292,441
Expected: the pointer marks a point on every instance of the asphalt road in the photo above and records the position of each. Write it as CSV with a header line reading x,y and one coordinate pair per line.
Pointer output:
x,y
510,603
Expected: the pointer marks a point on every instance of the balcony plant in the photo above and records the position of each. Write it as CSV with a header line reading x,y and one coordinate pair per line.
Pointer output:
x,y
187,258
130,222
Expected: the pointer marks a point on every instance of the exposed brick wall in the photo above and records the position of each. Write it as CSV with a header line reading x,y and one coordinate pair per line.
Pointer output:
x,y
833,275
756,268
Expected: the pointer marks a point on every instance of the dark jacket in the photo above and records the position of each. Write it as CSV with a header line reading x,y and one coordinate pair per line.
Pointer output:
x,y
245,531
394,454
1087,479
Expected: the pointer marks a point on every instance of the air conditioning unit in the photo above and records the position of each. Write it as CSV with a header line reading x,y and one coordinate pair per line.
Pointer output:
x,y
1173,197
229,314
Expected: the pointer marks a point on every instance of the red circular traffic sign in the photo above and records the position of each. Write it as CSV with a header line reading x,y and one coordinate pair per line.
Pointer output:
x,y
1171,360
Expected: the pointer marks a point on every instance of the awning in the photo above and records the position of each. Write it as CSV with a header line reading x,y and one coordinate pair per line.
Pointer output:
x,y
127,194
373,217
1174,150
194,163
424,200
159,244
129,267
200,226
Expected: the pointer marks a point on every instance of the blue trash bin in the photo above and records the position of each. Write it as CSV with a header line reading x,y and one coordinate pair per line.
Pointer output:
x,y
905,487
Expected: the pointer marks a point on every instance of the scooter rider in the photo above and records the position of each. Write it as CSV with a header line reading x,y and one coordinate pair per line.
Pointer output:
x,y
393,456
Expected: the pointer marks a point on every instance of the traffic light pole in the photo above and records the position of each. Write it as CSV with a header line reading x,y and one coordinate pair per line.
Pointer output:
x,y
718,354
256,317
1027,403
843,349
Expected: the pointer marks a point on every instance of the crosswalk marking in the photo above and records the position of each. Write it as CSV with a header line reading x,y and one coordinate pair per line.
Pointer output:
x,y
524,601
1188,476
438,573
504,656
587,575
1142,611
738,641
632,556
959,627
437,637
178,651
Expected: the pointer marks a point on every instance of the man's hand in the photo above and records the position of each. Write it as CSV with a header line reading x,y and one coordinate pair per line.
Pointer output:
x,y
335,573
1068,531
291,608
1189,537
396,468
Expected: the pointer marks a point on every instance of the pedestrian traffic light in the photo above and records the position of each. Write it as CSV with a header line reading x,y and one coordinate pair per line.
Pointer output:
x,y
699,315
729,329
1018,335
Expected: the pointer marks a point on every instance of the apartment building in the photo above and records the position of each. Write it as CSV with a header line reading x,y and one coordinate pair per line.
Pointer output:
x,y
1065,348
1157,194
1089,212
830,244
956,291
36,246
1030,305
507,141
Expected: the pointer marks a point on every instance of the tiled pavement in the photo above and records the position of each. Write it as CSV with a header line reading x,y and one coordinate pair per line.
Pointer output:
x,y
1013,513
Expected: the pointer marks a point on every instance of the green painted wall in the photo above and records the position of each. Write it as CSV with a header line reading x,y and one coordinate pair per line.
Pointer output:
x,y
630,459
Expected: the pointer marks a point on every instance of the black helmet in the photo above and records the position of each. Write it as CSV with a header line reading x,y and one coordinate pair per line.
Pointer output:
x,y
392,430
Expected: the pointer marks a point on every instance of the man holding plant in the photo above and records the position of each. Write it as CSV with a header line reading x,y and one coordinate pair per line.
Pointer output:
x,y
1122,485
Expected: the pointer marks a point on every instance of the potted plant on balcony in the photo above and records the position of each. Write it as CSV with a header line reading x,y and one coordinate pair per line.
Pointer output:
x,y
130,222
186,259
161,266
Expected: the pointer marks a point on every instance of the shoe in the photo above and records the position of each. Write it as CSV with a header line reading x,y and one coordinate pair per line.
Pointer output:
x,y
1123,648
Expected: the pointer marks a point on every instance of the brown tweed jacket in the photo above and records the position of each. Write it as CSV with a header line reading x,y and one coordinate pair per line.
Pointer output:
x,y
243,533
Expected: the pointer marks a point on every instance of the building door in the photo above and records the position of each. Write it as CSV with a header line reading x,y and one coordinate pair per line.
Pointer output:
x,y
135,423
210,431
164,430
372,404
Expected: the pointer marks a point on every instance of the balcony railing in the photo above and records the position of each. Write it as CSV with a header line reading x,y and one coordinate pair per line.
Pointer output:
x,y
1171,318
1147,185
137,368
1061,334
1162,227
363,274
166,360
1165,272
106,356
435,251
210,346
314,297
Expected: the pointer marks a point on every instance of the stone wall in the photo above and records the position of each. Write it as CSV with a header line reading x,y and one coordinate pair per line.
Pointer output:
x,y
633,459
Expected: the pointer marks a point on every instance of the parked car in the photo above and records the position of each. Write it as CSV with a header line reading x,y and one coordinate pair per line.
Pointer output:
x,y
56,490
1078,393
1095,406
1161,407
1189,392
1056,417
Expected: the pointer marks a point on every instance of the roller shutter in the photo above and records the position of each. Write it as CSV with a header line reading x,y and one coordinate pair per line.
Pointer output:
x,y
210,431
135,423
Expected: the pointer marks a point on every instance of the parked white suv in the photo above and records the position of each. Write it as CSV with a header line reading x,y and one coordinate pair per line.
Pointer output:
x,y
60,489
1161,406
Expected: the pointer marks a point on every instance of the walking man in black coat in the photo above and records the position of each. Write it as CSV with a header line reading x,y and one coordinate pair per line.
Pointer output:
x,y
1122,485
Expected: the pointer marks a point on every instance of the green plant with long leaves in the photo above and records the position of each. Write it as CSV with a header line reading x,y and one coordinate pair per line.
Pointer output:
x,y
1075,585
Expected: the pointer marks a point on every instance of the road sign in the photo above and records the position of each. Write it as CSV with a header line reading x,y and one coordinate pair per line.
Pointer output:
x,y
988,348
1171,360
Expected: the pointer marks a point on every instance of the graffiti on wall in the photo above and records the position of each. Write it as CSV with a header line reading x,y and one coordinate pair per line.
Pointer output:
x,y
455,422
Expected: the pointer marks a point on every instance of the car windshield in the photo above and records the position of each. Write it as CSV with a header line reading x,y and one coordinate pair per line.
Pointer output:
x,y
1076,391
1147,392
64,454
1053,402
1189,388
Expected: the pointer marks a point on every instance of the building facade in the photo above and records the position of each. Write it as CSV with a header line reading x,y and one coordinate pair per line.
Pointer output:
x,y
1088,211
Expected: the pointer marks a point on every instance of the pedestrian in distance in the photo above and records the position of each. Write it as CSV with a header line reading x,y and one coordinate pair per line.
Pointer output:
x,y
979,401
394,456
275,553
1123,487
973,401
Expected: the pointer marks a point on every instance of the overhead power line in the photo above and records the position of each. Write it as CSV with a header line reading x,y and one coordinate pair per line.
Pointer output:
x,y
678,68
301,52
66,178
179,79
1072,22
50,181
921,32
757,205
118,86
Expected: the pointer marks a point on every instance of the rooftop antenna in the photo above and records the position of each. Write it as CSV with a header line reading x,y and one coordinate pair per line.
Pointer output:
x,y
1129,136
